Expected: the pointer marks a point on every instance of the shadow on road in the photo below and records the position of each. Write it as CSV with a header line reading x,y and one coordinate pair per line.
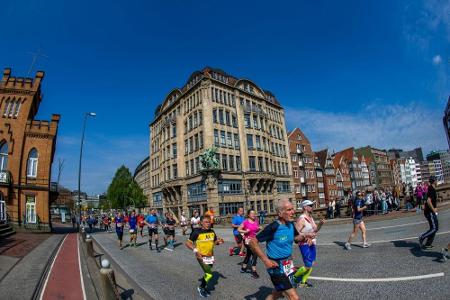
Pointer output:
x,y
416,251
262,293
215,280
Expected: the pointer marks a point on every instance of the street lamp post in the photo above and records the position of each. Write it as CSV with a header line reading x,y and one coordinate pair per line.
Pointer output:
x,y
86,115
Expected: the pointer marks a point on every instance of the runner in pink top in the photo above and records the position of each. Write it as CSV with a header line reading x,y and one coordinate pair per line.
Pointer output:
x,y
249,228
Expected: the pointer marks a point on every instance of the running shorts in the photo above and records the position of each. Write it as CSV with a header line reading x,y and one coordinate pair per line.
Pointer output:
x,y
357,221
166,231
280,280
119,235
171,232
238,239
308,254
152,231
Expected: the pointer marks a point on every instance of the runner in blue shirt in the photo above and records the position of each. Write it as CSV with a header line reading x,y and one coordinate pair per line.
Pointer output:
x,y
132,222
236,221
279,237
359,207
119,223
152,222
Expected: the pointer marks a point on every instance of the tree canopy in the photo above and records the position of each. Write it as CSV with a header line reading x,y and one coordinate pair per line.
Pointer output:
x,y
124,191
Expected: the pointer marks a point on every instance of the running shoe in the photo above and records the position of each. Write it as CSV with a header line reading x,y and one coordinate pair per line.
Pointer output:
x,y
243,270
242,254
230,251
202,292
366,245
428,247
297,279
255,275
306,285
347,246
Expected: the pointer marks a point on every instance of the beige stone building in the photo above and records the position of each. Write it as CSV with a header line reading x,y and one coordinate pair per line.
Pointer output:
x,y
27,147
246,125
142,177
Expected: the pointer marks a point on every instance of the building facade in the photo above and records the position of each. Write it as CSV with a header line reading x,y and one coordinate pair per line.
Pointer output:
x,y
329,178
358,171
304,171
27,147
379,167
446,121
243,123
142,177
441,160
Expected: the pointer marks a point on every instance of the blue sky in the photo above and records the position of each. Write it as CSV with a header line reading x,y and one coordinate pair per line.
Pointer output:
x,y
348,73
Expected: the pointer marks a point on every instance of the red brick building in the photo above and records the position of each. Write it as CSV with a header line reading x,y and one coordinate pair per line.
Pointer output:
x,y
329,178
303,166
27,148
340,163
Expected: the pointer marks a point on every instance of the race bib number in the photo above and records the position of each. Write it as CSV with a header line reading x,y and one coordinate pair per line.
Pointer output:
x,y
208,260
247,241
131,231
119,225
152,225
288,266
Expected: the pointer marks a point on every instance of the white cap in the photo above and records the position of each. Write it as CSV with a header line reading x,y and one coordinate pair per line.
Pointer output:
x,y
307,202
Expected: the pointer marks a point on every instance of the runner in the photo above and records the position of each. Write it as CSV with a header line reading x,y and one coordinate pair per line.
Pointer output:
x,y
430,212
279,236
183,223
151,220
165,229
249,228
210,213
141,223
201,242
195,221
132,223
306,224
359,207
171,223
119,222
236,221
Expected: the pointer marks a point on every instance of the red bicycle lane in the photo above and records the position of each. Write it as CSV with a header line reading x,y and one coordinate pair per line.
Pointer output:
x,y
64,280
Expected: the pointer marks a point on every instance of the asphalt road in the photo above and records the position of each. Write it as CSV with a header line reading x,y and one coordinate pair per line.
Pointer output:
x,y
392,268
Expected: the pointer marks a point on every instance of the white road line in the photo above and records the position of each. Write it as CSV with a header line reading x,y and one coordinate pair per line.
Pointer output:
x,y
51,268
391,279
392,226
386,241
79,267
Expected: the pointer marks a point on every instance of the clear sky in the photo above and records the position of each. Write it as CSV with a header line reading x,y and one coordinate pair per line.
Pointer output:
x,y
349,73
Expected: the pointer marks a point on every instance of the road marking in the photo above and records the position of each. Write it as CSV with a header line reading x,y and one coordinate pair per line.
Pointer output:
x,y
79,267
391,279
392,226
386,241
51,268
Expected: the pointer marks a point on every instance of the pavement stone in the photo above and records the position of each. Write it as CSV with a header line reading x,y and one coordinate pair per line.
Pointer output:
x,y
22,280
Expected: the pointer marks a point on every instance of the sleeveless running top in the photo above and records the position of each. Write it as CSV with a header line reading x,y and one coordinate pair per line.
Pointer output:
x,y
310,226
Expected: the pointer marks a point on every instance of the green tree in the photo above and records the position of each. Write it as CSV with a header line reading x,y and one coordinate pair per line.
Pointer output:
x,y
124,191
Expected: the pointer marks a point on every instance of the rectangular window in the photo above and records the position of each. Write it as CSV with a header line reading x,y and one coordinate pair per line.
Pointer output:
x,y
200,136
174,130
195,142
249,141
186,166
238,163
191,145
222,138
224,162
175,171
174,150
236,141
216,137
231,162
261,164
247,121
255,122
227,118
229,139
186,148
221,116
252,163
30,209
234,121
258,142
214,112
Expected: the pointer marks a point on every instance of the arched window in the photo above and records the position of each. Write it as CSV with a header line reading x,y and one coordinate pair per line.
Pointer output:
x,y
32,163
3,156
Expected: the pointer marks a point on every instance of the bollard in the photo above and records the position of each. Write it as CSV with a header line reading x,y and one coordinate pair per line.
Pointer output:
x,y
89,246
83,234
108,281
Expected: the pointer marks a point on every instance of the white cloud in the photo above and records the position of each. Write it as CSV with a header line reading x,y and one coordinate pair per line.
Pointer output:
x,y
437,59
382,126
